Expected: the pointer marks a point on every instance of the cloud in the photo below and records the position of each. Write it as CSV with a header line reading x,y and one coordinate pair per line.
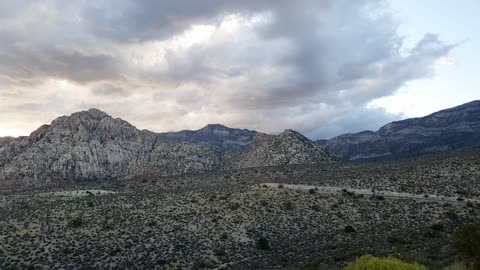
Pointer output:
x,y
270,65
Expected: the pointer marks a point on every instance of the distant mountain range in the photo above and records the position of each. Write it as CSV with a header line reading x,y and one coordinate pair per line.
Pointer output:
x,y
219,137
91,145
445,130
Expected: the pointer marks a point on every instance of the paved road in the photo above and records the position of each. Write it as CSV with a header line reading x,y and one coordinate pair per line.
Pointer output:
x,y
368,192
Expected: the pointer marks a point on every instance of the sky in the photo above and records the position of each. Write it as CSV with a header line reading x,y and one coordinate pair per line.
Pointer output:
x,y
321,67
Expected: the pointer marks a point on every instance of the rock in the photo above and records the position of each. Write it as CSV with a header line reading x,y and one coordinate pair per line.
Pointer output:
x,y
6,140
289,147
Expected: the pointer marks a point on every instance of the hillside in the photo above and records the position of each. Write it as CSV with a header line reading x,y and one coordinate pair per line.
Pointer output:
x,y
289,147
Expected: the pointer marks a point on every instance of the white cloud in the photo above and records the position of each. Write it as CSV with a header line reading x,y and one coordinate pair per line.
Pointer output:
x,y
268,65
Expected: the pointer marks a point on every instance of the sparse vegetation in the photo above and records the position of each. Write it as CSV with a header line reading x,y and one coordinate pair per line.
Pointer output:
x,y
372,263
76,222
467,244
210,221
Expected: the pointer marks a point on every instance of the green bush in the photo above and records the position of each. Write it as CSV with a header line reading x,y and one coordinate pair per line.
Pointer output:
x,y
467,244
349,229
263,243
372,263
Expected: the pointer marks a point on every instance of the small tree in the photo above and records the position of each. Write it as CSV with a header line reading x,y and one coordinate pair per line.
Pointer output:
x,y
349,229
263,243
467,244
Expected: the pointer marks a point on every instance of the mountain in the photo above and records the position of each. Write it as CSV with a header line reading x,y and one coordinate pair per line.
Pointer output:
x,y
445,130
91,145
289,147
321,142
220,137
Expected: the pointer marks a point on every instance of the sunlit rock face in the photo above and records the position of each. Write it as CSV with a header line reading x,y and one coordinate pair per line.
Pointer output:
x,y
445,130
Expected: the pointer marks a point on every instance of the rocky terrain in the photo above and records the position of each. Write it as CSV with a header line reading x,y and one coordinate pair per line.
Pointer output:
x,y
91,146
215,220
289,147
220,137
6,140
445,130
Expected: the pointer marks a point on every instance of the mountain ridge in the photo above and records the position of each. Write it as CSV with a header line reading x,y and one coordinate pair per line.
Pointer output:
x,y
91,145
220,137
448,129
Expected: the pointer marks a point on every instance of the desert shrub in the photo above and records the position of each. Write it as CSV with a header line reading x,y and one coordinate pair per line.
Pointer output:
x,y
234,206
151,223
397,239
467,244
219,252
288,205
76,222
451,215
372,263
438,227
263,243
349,229
203,265
310,266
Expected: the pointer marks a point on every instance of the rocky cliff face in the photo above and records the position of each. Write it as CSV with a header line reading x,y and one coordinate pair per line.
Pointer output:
x,y
92,145
441,131
6,140
289,147
220,137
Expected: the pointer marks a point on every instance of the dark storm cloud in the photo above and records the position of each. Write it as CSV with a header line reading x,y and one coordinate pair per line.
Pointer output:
x,y
311,65
152,19
22,63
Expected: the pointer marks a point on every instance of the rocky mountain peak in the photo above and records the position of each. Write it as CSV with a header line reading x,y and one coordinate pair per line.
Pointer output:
x,y
214,127
289,147
293,134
